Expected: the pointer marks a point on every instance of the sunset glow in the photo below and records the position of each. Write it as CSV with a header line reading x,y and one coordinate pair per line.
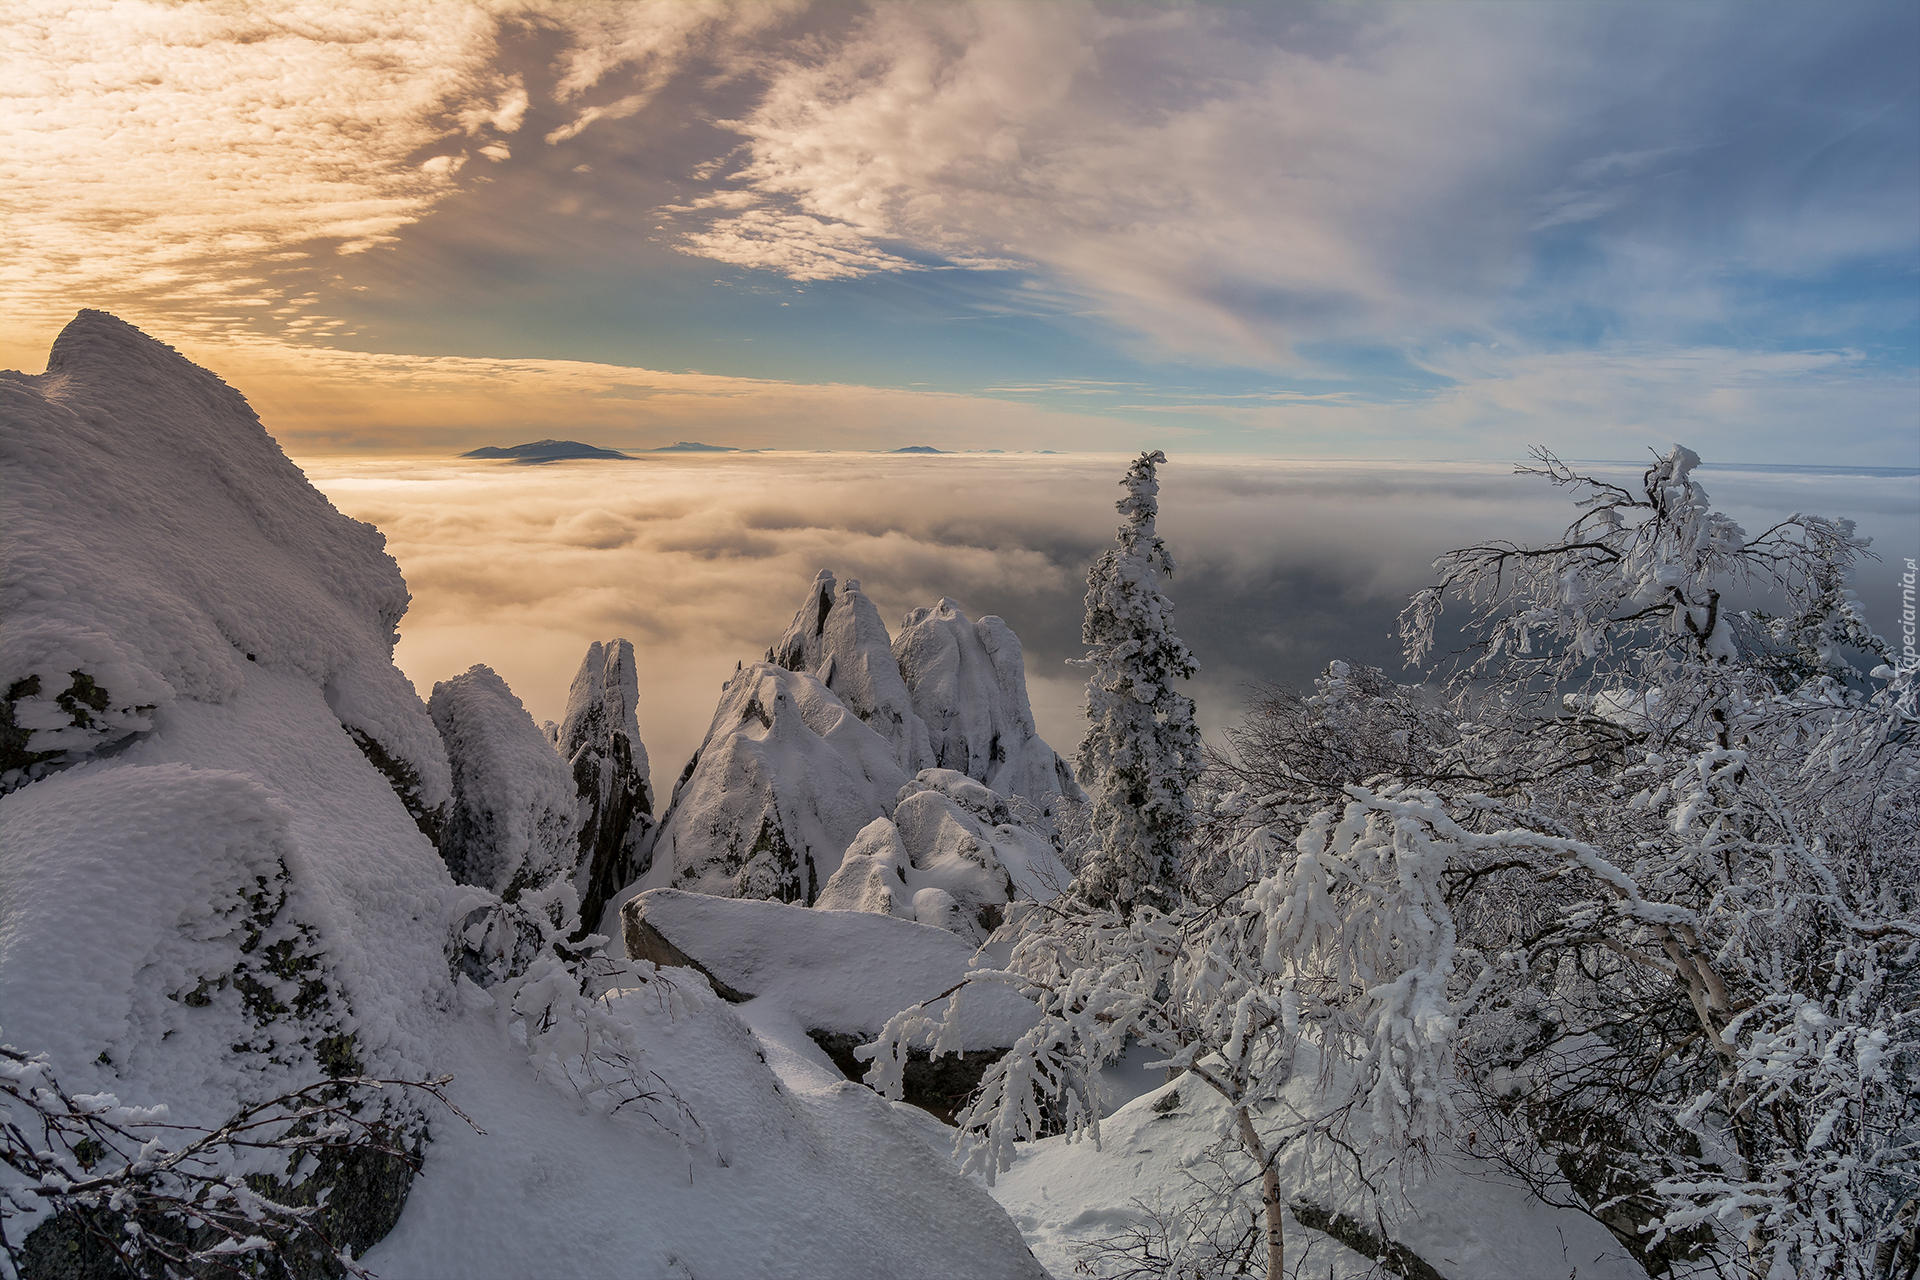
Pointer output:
x,y
1440,230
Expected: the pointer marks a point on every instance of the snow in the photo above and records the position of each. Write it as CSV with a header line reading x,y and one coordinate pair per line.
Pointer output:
x,y
833,970
125,888
513,823
822,1180
938,861
784,781
838,637
873,874
1029,861
161,544
1460,1216
968,682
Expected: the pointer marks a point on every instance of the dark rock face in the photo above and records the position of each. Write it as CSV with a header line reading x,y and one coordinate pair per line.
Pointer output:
x,y
644,942
939,1086
600,741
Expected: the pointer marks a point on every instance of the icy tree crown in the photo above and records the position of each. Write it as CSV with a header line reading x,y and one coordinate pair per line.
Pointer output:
x,y
1141,754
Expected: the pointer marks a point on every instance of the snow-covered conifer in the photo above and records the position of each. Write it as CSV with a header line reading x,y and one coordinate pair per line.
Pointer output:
x,y
1141,753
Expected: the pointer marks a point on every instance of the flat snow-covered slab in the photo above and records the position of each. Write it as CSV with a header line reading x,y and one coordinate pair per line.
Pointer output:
x,y
836,970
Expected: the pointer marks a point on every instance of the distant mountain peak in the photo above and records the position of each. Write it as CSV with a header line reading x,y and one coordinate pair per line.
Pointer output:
x,y
546,451
918,448
694,446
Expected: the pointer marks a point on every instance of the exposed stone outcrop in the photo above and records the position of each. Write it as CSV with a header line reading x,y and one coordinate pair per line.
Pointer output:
x,y
599,738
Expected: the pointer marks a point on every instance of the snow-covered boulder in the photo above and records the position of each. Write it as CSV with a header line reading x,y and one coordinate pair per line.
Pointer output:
x,y
161,547
968,683
155,946
838,637
1029,862
512,825
599,738
138,933
950,855
873,875
784,781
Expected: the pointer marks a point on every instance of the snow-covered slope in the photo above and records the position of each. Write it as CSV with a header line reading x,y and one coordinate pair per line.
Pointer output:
x,y
1459,1216
968,683
784,781
790,1173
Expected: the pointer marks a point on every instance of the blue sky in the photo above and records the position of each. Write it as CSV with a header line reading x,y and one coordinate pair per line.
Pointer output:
x,y
1436,230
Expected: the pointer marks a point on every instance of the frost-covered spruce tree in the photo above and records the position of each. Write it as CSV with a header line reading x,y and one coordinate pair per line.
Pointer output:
x,y
1141,754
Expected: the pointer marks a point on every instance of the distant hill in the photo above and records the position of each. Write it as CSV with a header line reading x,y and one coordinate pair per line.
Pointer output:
x,y
546,451
918,448
694,446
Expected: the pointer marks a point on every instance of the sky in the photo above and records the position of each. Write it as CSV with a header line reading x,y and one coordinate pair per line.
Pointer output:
x,y
1420,231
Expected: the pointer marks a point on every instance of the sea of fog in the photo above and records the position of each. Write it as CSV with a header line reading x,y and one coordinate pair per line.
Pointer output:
x,y
701,561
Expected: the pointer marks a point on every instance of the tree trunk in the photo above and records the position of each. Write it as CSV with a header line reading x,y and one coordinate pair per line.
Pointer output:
x,y
1269,1195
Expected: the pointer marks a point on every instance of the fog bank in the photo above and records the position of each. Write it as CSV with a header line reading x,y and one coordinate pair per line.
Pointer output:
x,y
701,561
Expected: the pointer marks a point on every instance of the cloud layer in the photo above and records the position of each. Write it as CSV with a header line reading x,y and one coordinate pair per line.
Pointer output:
x,y
701,562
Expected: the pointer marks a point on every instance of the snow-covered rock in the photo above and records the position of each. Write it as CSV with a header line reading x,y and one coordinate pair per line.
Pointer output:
x,y
873,875
599,738
815,985
839,638
968,683
784,781
161,547
1029,863
512,826
218,894
139,928
844,970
